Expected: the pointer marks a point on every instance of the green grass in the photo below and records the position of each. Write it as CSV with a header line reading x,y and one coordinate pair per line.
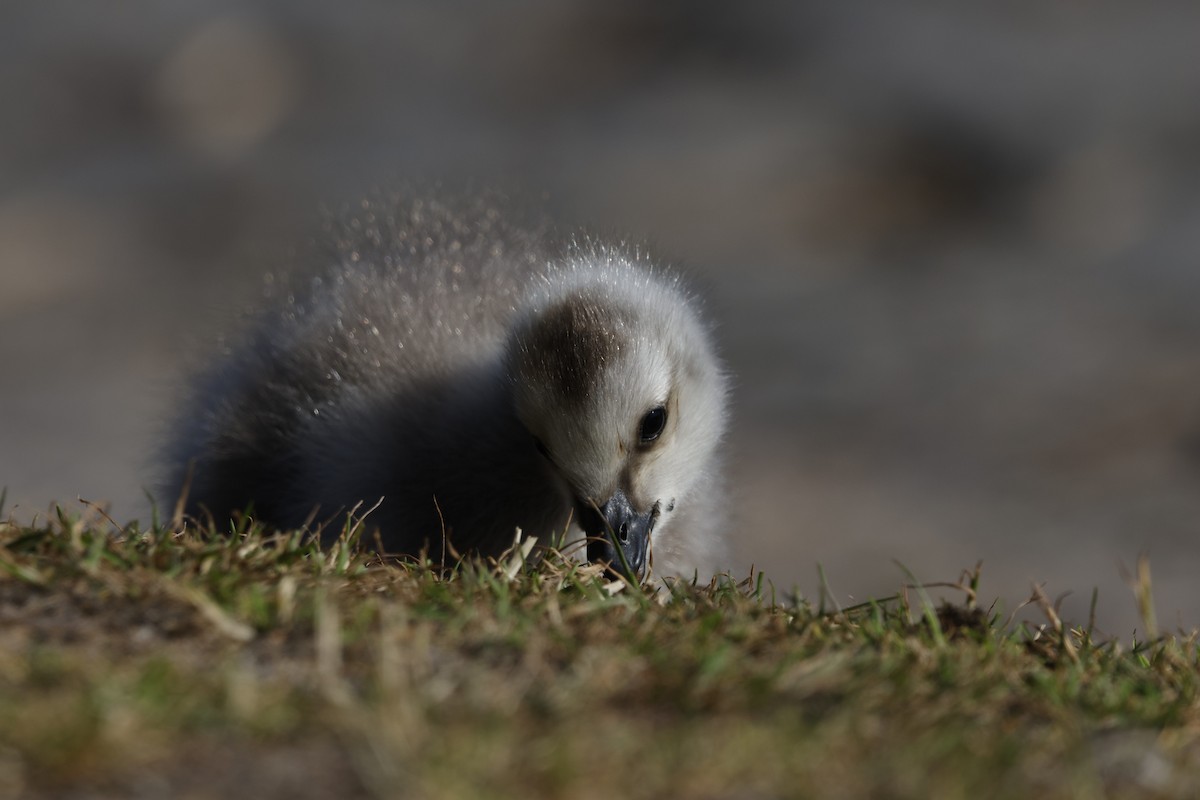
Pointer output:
x,y
163,663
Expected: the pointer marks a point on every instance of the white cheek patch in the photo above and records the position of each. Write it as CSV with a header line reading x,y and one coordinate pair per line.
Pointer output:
x,y
652,479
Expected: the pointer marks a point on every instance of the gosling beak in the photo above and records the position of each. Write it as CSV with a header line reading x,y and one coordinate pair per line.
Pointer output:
x,y
618,535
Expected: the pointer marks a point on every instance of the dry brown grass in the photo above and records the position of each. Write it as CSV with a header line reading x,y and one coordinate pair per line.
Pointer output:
x,y
163,663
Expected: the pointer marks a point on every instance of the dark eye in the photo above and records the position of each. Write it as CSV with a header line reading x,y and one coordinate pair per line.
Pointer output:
x,y
653,424
541,448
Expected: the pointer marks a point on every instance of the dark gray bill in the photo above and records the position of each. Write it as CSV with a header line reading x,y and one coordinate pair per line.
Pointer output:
x,y
617,534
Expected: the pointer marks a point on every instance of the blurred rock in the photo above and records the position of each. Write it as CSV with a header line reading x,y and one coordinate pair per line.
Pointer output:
x,y
229,85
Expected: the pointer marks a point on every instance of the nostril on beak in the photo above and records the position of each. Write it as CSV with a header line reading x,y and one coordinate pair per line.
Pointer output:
x,y
623,533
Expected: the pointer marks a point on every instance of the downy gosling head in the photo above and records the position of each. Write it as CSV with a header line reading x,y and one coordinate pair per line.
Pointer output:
x,y
613,375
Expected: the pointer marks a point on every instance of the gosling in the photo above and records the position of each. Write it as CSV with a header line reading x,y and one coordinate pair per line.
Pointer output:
x,y
469,375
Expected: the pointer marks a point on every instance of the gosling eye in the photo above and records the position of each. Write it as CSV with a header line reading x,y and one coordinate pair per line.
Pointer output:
x,y
541,448
653,424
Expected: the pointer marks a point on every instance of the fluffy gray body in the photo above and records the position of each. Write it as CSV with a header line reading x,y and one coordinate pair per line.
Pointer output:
x,y
477,376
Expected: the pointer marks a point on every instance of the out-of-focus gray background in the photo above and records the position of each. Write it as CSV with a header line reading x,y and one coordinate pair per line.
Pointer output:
x,y
952,249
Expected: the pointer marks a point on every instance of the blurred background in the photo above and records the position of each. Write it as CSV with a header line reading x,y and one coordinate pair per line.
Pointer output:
x,y
952,249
